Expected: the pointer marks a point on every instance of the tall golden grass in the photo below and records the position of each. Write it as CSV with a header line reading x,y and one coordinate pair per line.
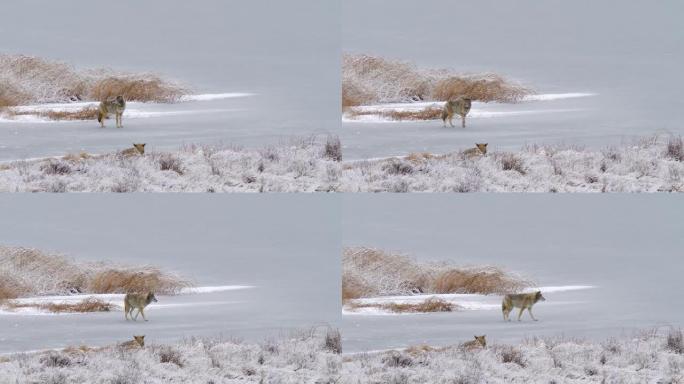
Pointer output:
x,y
370,79
28,271
30,79
429,113
369,272
432,304
87,305
87,113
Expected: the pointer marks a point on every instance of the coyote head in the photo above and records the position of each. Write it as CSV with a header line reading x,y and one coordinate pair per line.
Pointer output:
x,y
151,297
120,99
481,340
538,297
140,148
140,340
482,147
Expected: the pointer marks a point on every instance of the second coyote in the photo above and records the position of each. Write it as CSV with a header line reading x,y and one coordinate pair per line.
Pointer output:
x,y
460,106
137,301
522,301
107,107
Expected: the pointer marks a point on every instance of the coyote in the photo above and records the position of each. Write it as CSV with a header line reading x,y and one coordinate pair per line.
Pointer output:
x,y
460,106
137,301
138,149
116,106
479,150
137,342
479,342
522,301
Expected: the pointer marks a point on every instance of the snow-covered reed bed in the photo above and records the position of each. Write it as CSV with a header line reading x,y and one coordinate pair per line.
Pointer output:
x,y
311,356
28,272
654,164
648,357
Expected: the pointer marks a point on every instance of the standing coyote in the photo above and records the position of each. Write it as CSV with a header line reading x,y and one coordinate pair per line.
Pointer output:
x,y
479,342
116,106
522,301
138,149
460,106
137,342
137,301
479,150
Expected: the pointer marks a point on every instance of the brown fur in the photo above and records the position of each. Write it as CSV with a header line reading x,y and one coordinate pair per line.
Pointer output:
x,y
522,301
116,106
460,106
479,150
137,342
137,301
478,343
138,149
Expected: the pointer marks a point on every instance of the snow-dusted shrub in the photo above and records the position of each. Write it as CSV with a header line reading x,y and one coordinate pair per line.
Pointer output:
x,y
369,79
369,272
646,359
305,165
299,358
28,271
29,79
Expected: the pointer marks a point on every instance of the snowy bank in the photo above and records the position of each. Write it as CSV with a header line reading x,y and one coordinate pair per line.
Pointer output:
x,y
310,165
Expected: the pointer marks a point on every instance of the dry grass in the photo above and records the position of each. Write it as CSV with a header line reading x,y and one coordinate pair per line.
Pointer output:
x,y
675,148
28,79
370,272
370,79
486,88
511,162
143,88
27,271
88,113
134,280
432,304
87,305
430,113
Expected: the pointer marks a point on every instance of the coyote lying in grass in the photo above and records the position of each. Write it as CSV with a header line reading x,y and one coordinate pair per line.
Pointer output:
x,y
137,342
107,107
477,343
460,106
138,149
479,150
137,301
522,301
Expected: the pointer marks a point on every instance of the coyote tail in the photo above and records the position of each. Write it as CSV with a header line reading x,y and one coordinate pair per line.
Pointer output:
x,y
99,116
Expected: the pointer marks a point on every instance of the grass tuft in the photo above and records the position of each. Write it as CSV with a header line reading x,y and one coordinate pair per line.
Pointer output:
x,y
87,305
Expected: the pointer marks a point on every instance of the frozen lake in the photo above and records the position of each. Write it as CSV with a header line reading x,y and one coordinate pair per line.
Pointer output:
x,y
258,47
628,247
628,55
281,245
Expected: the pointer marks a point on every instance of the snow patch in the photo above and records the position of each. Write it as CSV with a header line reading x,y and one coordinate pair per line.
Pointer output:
x,y
214,96
467,302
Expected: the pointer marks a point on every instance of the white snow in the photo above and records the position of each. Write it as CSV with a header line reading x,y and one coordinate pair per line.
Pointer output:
x,y
467,302
214,96
111,298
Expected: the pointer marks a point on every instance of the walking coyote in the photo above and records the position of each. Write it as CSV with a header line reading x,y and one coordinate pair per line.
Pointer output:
x,y
522,301
137,301
107,107
138,149
460,106
137,342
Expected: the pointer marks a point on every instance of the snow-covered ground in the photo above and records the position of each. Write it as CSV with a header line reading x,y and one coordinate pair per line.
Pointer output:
x,y
463,302
114,299
303,356
647,356
651,164
270,244
606,265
